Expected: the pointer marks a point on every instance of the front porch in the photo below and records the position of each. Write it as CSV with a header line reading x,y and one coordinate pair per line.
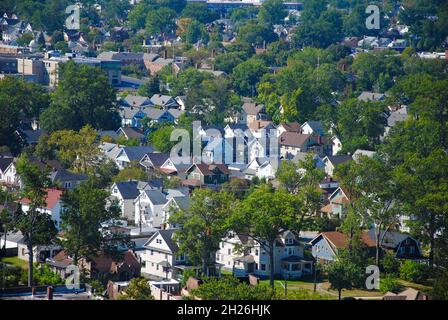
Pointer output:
x,y
294,267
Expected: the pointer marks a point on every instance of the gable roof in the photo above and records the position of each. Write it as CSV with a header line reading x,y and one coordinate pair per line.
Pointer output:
x,y
338,159
252,108
131,132
137,101
291,126
208,169
157,159
315,125
391,238
167,236
339,240
137,153
5,162
371,96
128,189
51,199
65,175
156,197
293,139
163,100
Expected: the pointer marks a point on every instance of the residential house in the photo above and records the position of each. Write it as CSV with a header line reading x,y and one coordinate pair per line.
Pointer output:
x,y
209,174
164,101
132,133
331,162
325,246
336,145
174,204
136,101
262,168
291,143
360,152
313,127
289,127
176,167
337,204
5,162
122,268
162,259
395,117
125,193
148,207
252,112
242,256
402,245
130,154
371,96
153,161
53,205
66,179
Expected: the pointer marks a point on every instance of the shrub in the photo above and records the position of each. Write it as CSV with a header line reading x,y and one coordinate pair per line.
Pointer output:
x,y
414,271
390,264
389,283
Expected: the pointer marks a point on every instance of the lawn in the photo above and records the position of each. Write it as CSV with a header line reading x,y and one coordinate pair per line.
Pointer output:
x,y
16,262
352,293
292,284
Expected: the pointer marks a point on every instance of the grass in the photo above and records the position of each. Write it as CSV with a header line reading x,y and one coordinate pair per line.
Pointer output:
x,y
356,292
422,287
292,284
16,262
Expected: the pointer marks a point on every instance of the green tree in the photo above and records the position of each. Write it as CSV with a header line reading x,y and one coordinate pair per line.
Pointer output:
x,y
341,275
82,97
76,149
84,211
36,225
160,21
230,288
264,215
198,11
18,98
204,226
160,138
138,289
150,87
135,172
272,12
247,74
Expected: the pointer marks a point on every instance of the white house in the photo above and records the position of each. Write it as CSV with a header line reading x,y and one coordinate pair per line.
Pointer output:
x,y
125,193
313,127
331,162
161,256
336,145
173,205
242,256
262,168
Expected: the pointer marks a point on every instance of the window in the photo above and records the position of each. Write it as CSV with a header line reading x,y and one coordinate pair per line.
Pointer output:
x,y
159,241
229,251
152,252
256,252
263,267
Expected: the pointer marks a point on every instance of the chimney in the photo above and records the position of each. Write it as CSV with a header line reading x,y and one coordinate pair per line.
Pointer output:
x,y
49,293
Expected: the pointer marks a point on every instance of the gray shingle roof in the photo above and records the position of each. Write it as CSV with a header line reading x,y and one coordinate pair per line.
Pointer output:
x,y
338,159
5,162
63,175
156,197
137,153
128,189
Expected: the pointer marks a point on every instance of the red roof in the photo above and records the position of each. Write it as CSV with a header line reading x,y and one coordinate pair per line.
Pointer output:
x,y
53,196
